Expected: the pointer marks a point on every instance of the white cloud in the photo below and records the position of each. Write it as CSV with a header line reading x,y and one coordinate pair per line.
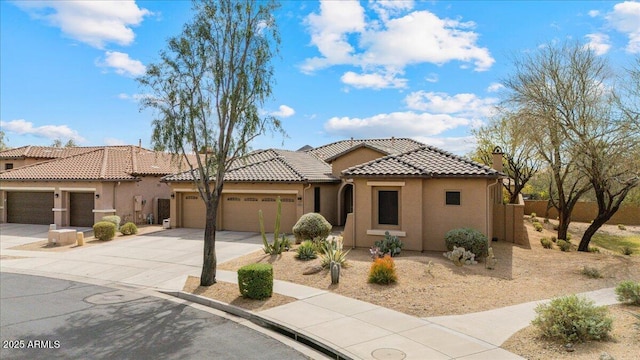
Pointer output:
x,y
122,64
495,87
625,18
432,78
134,97
92,22
458,145
373,81
466,105
114,142
599,43
593,13
53,132
396,39
284,111
399,124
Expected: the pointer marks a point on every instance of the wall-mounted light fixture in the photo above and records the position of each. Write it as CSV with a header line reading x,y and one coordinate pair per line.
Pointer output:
x,y
57,195
97,196
173,195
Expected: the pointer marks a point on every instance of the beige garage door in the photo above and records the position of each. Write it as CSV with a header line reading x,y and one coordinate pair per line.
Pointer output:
x,y
194,212
240,212
30,207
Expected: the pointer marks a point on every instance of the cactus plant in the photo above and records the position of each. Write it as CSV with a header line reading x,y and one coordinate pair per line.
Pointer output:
x,y
279,245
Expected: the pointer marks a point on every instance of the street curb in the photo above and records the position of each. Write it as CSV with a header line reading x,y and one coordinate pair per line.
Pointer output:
x,y
260,321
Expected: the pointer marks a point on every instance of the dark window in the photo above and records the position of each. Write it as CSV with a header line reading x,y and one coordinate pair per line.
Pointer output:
x,y
388,207
453,198
8,166
316,199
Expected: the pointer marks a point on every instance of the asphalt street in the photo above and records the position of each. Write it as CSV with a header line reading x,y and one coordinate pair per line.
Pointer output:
x,y
45,318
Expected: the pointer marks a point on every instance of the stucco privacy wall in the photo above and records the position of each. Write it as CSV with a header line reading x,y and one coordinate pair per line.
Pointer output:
x,y
585,212
108,193
424,218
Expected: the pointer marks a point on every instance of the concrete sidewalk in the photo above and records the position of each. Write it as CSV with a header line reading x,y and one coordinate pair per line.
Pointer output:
x,y
354,329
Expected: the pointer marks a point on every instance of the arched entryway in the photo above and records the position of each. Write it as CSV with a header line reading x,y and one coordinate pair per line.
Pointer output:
x,y
345,202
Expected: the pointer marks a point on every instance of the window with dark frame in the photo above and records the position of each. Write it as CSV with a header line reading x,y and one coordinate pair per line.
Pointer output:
x,y
388,207
316,199
8,166
452,198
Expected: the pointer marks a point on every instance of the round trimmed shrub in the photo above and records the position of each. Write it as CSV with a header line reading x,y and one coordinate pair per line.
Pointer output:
x,y
564,245
470,239
104,230
311,226
128,229
115,219
572,319
256,281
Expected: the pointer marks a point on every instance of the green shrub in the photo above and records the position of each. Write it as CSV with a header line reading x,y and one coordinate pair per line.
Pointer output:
x,y
622,227
546,220
538,226
383,271
256,281
128,229
627,250
470,239
104,230
389,245
629,292
533,215
564,245
114,219
311,226
306,251
593,249
546,243
332,252
572,319
591,272
554,239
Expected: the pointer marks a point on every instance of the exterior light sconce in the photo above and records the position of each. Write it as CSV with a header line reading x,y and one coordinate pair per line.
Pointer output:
x,y
57,195
97,196
173,195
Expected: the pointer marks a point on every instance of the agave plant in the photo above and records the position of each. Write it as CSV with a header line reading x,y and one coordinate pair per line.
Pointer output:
x,y
333,252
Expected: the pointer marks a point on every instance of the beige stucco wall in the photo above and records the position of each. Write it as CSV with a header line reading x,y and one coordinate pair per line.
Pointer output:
x,y
355,157
120,194
586,212
19,162
423,216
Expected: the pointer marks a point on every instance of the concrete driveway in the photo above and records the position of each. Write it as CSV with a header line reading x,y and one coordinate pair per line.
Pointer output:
x,y
160,260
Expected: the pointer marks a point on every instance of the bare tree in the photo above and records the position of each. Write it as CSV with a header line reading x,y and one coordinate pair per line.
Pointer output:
x,y
3,145
554,87
206,91
509,132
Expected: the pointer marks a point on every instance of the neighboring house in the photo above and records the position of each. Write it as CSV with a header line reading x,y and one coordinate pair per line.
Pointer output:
x,y
370,186
78,186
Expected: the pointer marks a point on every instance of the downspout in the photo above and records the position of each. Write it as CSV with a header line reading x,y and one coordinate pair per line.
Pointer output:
x,y
304,197
489,188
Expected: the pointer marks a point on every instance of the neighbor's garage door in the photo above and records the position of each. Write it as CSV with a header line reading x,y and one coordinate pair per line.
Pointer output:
x,y
240,212
193,211
30,207
81,209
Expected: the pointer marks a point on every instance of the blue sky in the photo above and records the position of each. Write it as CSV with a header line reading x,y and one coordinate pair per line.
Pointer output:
x,y
427,70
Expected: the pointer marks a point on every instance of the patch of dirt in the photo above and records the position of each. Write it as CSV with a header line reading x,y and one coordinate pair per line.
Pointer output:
x,y
623,343
44,245
230,294
522,274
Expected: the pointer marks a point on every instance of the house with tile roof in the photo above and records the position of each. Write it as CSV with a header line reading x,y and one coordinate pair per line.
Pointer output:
x,y
78,186
369,186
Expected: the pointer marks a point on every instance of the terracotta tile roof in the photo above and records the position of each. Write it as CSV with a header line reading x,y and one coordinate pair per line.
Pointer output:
x,y
426,161
111,163
386,146
44,152
273,165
